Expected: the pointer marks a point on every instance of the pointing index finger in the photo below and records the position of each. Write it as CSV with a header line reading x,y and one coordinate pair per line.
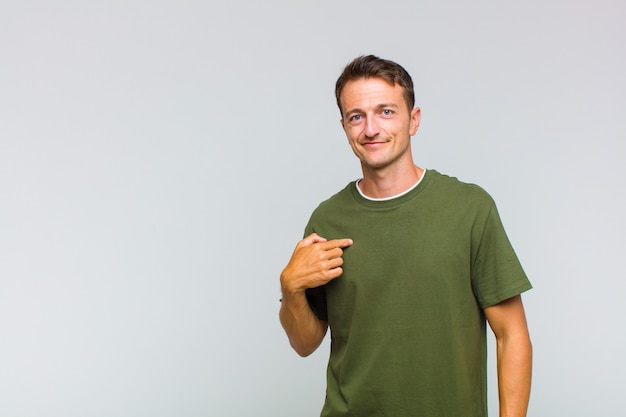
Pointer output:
x,y
337,243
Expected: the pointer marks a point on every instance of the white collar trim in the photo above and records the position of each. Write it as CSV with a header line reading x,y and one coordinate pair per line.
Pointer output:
x,y
356,183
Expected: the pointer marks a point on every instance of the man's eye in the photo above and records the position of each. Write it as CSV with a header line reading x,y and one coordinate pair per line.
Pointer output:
x,y
387,112
356,117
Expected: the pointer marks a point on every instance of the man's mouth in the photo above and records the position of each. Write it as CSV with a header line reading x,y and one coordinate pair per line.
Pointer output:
x,y
373,143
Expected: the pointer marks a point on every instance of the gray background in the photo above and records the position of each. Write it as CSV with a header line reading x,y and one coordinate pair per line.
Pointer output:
x,y
159,160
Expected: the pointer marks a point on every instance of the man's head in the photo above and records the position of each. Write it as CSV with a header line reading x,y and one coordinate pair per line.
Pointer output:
x,y
371,66
376,101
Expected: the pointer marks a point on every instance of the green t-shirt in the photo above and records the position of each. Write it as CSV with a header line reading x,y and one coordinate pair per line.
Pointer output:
x,y
407,326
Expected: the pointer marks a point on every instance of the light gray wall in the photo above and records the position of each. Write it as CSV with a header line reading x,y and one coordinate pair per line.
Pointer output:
x,y
159,160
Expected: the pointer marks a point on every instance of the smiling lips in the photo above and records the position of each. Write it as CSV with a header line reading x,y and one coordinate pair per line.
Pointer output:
x,y
373,143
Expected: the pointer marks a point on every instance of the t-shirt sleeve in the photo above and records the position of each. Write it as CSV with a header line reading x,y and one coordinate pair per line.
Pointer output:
x,y
317,301
497,274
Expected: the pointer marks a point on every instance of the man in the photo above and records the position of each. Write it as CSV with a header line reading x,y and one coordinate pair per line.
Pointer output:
x,y
404,266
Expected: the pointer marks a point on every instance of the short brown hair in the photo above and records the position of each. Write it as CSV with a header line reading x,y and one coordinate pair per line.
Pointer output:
x,y
371,66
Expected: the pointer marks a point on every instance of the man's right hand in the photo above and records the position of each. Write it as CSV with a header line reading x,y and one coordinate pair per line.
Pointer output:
x,y
314,262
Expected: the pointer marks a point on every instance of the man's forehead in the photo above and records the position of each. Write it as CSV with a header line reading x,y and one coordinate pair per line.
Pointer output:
x,y
371,89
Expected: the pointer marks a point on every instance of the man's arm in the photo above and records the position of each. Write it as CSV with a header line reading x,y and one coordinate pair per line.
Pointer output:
x,y
314,262
514,350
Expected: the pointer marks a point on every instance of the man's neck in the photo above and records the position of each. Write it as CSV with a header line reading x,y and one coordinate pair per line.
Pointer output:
x,y
390,182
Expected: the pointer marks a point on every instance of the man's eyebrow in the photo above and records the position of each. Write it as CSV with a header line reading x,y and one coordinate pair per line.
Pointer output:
x,y
352,111
385,105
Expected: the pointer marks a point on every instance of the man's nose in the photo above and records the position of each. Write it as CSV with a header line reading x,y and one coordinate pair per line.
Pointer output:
x,y
371,127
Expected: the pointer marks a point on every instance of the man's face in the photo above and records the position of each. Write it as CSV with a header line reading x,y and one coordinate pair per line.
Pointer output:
x,y
378,123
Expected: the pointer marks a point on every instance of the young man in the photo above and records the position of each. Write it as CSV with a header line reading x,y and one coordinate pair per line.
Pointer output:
x,y
404,266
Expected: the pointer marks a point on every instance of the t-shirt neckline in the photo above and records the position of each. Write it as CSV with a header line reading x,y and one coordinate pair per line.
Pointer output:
x,y
408,190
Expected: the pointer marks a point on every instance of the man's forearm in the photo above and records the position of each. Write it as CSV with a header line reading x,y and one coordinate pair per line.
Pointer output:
x,y
514,375
304,330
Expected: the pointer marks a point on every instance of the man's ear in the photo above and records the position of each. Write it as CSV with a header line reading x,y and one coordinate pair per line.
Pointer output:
x,y
416,116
